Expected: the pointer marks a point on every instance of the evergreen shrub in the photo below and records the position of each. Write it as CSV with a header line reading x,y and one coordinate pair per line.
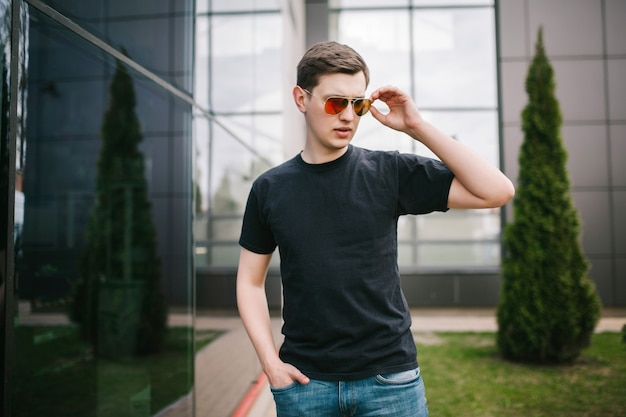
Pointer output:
x,y
548,307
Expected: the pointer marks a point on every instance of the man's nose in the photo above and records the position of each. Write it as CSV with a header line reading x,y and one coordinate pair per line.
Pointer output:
x,y
348,113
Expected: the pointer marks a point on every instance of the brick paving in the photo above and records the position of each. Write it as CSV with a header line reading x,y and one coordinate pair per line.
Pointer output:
x,y
225,370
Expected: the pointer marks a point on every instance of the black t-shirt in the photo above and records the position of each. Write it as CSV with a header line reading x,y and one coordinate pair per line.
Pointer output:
x,y
335,225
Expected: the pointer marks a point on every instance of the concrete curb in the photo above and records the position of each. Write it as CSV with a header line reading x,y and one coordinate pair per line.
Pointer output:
x,y
249,400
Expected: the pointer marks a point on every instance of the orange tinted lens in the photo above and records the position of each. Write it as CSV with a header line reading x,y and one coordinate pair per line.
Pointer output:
x,y
335,105
361,106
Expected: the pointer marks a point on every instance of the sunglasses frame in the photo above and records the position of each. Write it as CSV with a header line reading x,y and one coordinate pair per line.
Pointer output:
x,y
367,103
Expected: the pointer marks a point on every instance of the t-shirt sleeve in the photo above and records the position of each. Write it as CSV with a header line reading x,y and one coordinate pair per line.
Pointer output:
x,y
256,236
424,184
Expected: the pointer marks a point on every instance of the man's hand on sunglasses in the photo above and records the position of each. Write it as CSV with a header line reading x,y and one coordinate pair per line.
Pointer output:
x,y
403,114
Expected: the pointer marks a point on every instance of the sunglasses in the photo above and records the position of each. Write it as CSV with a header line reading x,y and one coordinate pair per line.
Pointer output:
x,y
337,104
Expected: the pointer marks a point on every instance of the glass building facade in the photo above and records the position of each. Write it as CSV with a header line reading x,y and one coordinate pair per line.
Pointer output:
x,y
131,134
102,105
429,48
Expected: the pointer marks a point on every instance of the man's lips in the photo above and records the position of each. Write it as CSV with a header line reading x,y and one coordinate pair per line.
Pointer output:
x,y
343,131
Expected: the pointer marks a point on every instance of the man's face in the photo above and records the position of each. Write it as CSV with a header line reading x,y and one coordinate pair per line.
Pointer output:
x,y
331,132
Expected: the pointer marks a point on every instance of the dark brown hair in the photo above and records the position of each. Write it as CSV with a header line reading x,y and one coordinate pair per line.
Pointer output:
x,y
329,58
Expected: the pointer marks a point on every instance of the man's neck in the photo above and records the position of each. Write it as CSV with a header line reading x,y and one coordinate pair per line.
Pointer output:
x,y
321,156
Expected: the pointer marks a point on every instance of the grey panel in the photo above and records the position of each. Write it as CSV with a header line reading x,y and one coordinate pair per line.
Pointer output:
x,y
580,90
570,27
513,39
479,290
460,289
593,207
620,282
587,161
601,274
428,290
216,289
511,144
615,28
618,150
619,222
617,88
514,98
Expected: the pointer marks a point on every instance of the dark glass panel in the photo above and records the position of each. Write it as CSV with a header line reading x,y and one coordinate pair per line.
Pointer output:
x,y
155,33
7,181
105,252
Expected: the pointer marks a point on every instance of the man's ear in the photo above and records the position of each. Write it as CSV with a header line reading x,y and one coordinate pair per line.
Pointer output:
x,y
298,97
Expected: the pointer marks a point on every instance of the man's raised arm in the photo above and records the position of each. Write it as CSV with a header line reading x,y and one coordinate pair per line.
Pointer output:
x,y
477,183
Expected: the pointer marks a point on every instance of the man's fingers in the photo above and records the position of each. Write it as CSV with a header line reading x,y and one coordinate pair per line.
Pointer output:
x,y
378,115
297,375
303,379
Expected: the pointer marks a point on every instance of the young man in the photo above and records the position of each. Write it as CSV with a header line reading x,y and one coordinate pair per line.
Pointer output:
x,y
332,211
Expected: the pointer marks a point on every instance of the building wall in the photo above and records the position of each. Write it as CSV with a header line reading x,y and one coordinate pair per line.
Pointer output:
x,y
584,40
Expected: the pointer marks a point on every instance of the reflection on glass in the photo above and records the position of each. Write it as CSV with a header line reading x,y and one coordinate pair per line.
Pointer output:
x,y
246,63
232,172
243,5
117,299
460,225
106,237
443,3
449,254
386,49
368,3
478,129
150,30
455,58
7,185
460,254
239,76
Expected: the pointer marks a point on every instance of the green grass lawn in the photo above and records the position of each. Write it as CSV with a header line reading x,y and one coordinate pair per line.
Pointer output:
x,y
57,375
465,377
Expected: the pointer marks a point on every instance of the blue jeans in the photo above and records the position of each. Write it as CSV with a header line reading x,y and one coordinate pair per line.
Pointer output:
x,y
392,395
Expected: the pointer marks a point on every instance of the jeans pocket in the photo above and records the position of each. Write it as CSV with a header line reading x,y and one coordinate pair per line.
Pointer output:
x,y
278,390
399,378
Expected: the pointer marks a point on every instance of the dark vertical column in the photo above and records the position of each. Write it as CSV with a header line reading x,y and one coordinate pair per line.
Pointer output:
x,y
316,21
8,135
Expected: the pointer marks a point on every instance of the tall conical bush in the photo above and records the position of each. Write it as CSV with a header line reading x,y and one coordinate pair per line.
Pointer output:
x,y
120,269
549,307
